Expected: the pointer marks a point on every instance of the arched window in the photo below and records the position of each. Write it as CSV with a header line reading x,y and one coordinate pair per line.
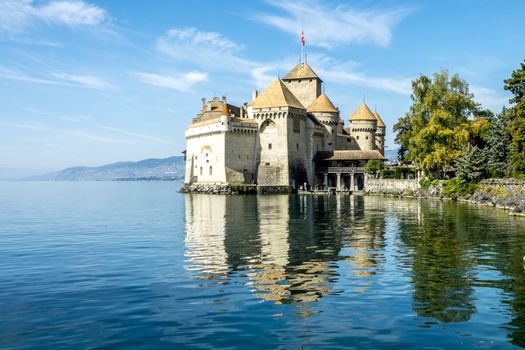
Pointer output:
x,y
200,172
211,171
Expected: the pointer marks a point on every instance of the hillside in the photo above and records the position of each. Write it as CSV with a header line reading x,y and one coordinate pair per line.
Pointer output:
x,y
171,168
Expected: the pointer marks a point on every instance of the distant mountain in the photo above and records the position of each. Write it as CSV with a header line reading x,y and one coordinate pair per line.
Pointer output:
x,y
171,168
17,173
391,154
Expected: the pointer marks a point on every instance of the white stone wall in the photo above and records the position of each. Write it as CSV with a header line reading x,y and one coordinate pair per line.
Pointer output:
x,y
306,90
364,132
272,147
240,155
391,186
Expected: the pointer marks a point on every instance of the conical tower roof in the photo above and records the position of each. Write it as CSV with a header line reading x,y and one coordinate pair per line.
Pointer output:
x,y
322,104
379,120
362,113
277,95
301,71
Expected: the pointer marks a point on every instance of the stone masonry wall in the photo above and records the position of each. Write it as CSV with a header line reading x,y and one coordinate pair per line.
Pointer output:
x,y
392,186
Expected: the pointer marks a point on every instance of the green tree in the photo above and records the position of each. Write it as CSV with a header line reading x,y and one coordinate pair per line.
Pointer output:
x,y
516,119
497,148
437,126
471,164
373,166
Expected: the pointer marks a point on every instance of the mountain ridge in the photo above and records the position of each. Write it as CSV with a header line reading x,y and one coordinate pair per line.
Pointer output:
x,y
170,168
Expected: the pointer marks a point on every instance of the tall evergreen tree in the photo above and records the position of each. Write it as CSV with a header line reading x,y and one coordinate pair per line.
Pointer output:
x,y
471,164
516,119
497,148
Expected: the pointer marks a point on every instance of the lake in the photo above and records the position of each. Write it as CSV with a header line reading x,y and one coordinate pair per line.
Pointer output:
x,y
120,265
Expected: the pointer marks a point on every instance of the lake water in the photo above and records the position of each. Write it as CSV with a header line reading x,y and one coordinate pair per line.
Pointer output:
x,y
138,265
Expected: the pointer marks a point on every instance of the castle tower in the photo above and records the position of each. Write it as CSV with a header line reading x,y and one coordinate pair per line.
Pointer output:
x,y
380,134
281,118
324,110
303,83
363,126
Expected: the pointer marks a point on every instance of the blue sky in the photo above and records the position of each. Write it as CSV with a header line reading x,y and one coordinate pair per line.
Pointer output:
x,y
93,82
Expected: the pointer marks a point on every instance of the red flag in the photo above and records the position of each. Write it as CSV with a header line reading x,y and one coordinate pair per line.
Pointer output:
x,y
302,37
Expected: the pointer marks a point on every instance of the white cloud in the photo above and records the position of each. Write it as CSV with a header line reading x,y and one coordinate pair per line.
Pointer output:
x,y
85,81
331,26
88,81
181,82
72,12
489,98
350,73
210,49
214,51
17,15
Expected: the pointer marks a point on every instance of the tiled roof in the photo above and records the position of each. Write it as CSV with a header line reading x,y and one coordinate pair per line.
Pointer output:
x,y
322,104
277,95
301,71
379,120
362,113
350,155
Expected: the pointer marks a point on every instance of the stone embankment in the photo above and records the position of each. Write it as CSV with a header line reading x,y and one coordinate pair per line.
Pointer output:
x,y
219,188
507,194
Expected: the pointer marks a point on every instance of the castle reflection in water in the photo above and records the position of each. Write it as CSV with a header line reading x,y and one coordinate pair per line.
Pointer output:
x,y
288,248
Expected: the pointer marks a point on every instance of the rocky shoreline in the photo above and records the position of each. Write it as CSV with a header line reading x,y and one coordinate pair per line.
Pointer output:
x,y
507,194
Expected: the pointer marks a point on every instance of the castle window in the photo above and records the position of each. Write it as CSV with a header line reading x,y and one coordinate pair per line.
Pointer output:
x,y
297,146
211,172
195,157
367,137
200,172
269,146
267,164
357,137
206,154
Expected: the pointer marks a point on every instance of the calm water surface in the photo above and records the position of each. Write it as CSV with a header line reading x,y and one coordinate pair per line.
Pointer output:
x,y
138,265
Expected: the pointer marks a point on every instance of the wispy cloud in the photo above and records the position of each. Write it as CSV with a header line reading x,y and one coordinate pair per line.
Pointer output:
x,y
350,72
209,49
329,26
63,79
489,98
80,134
88,81
17,15
84,121
194,46
181,82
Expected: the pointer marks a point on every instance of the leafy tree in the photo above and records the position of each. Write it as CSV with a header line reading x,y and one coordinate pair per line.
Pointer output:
x,y
516,119
470,165
437,126
373,166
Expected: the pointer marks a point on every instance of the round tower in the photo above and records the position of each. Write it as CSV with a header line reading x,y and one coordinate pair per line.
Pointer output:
x,y
324,110
380,134
363,126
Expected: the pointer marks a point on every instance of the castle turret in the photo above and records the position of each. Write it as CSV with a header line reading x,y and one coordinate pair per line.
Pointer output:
x,y
325,112
303,83
363,127
380,134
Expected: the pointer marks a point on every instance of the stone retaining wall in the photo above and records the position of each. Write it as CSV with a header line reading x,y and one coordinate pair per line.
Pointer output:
x,y
502,193
219,188
392,186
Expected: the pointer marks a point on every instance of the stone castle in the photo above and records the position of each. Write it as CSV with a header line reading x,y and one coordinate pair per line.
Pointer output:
x,y
289,136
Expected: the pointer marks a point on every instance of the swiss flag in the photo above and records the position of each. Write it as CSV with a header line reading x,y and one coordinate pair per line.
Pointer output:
x,y
302,37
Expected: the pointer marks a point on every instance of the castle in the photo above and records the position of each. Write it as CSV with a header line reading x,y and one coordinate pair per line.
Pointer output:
x,y
288,136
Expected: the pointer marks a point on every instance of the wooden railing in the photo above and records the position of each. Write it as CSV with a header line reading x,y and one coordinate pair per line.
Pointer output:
x,y
337,169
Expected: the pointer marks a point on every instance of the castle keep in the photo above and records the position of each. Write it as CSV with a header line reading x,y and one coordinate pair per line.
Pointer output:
x,y
290,135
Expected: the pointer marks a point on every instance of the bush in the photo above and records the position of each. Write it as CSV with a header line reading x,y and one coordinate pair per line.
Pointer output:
x,y
457,188
398,173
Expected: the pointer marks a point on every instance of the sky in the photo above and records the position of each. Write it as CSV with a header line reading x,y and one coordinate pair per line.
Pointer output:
x,y
86,82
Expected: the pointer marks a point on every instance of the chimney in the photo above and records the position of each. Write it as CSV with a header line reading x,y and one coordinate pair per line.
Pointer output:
x,y
255,93
203,103
223,99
